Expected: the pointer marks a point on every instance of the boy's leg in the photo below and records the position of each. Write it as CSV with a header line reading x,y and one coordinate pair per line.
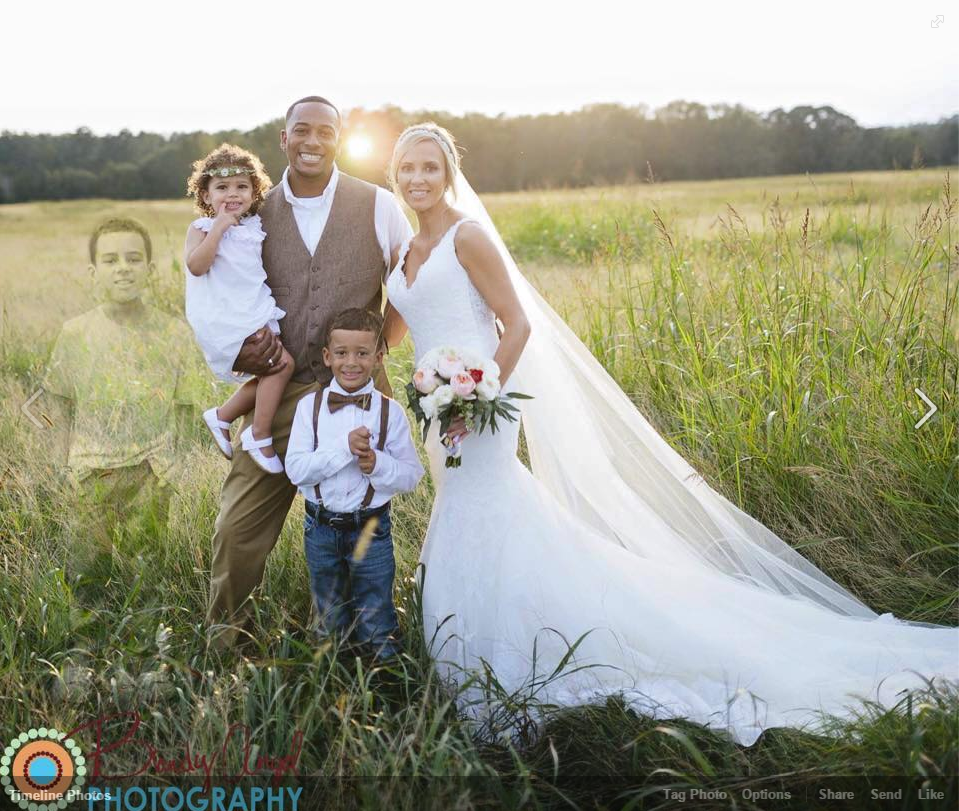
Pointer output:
x,y
130,498
372,578
94,522
325,549
148,503
253,507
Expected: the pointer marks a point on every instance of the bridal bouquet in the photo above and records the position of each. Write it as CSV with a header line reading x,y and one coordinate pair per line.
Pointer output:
x,y
448,384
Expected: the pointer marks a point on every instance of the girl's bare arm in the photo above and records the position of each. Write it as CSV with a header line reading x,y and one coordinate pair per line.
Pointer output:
x,y
200,248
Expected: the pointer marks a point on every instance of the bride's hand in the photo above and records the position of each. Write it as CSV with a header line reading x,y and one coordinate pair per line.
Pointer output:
x,y
457,429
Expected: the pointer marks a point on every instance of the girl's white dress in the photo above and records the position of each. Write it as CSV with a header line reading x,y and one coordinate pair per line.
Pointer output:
x,y
232,300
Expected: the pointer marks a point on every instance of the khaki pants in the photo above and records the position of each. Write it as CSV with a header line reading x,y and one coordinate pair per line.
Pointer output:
x,y
131,500
253,507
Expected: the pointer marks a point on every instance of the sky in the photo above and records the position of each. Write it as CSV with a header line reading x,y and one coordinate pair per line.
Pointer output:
x,y
181,66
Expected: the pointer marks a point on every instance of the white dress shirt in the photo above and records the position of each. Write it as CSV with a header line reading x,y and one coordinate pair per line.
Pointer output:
x,y
334,467
311,213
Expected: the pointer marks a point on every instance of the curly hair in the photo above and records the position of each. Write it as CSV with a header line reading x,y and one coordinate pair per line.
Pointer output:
x,y
225,156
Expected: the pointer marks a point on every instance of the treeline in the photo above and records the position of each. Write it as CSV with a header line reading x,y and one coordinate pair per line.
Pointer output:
x,y
599,144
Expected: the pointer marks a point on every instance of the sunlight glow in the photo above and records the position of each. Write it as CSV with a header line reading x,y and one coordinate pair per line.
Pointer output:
x,y
359,146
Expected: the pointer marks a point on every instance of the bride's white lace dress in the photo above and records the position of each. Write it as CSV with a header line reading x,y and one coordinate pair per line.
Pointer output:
x,y
507,566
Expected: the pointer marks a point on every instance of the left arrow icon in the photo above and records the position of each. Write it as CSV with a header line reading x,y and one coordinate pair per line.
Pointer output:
x,y
933,408
25,408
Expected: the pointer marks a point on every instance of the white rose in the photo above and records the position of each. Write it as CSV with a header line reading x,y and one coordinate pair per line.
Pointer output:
x,y
429,359
487,388
490,368
443,396
428,404
449,363
471,360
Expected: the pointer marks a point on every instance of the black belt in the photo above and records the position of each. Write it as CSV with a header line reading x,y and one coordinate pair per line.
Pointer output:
x,y
343,521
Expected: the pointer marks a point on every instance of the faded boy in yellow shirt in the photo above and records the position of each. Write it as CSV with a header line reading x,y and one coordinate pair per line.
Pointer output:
x,y
128,376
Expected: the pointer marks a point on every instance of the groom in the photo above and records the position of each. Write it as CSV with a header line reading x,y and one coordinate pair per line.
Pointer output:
x,y
330,240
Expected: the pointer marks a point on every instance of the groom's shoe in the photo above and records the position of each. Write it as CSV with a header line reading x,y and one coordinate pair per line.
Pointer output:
x,y
271,464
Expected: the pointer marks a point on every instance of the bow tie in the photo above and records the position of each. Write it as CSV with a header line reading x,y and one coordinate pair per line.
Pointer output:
x,y
335,401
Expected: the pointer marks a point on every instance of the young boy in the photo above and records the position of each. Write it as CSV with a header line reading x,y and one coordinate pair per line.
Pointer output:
x,y
350,451
123,381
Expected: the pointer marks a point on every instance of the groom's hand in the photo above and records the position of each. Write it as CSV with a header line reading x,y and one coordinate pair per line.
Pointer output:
x,y
261,354
359,441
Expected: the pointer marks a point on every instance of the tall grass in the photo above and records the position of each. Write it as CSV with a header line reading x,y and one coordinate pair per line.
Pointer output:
x,y
786,363
778,351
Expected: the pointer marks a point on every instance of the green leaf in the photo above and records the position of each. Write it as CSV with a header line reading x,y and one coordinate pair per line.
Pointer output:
x,y
413,398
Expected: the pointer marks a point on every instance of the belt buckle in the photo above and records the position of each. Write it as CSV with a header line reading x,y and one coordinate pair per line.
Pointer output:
x,y
341,522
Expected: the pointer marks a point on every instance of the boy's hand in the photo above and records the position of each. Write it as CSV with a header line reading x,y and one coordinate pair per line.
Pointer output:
x,y
368,462
359,441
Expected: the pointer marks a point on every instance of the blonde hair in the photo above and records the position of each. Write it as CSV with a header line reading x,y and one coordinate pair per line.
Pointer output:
x,y
427,131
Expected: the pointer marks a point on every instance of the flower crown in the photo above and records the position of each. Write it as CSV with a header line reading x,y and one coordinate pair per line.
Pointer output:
x,y
228,171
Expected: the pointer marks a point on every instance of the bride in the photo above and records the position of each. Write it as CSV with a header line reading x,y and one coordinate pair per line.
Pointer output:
x,y
612,568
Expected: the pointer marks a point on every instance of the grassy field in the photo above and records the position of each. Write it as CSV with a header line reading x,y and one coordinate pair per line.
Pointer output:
x,y
773,330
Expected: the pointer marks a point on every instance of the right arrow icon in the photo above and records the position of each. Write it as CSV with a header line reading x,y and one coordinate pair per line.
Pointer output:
x,y
933,408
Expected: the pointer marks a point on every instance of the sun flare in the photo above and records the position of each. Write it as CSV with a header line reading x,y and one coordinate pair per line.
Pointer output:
x,y
359,146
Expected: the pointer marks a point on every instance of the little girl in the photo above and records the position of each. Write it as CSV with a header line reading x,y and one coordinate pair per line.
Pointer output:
x,y
227,297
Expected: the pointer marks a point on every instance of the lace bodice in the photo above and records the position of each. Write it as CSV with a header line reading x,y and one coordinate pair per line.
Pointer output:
x,y
442,307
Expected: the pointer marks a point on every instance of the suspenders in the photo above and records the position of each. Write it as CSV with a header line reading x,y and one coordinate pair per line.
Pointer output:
x,y
384,421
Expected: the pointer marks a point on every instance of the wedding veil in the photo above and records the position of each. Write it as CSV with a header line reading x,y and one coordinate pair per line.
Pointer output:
x,y
591,447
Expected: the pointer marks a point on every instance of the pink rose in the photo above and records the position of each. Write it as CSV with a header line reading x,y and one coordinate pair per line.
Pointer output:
x,y
463,384
425,380
449,364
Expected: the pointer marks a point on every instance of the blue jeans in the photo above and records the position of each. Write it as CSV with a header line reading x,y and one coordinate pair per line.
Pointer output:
x,y
353,596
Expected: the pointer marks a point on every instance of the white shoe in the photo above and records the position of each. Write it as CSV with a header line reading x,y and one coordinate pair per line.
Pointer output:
x,y
271,464
214,423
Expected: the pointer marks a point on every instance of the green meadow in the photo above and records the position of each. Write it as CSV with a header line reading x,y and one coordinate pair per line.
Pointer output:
x,y
773,330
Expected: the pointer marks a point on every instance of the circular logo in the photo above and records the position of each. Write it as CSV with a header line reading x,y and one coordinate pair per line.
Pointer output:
x,y
40,771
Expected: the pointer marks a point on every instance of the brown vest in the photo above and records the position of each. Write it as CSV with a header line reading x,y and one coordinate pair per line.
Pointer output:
x,y
346,270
